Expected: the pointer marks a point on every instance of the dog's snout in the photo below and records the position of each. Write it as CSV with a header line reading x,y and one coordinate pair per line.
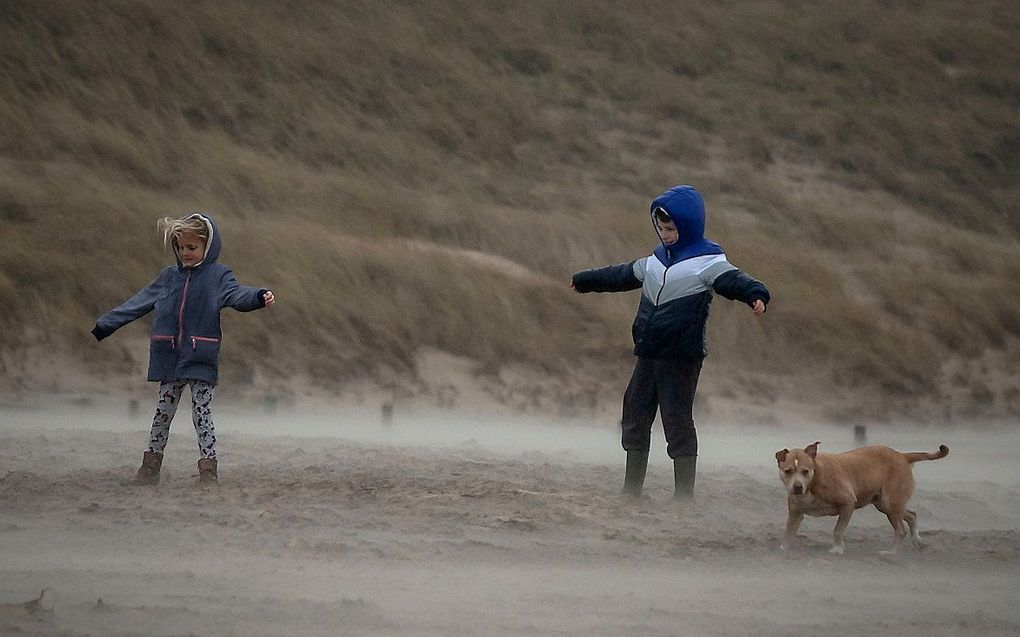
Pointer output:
x,y
797,489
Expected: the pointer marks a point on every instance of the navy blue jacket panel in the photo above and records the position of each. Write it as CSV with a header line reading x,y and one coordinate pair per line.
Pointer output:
x,y
677,282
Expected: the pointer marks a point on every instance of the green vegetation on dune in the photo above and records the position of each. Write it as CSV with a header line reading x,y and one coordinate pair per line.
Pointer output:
x,y
412,174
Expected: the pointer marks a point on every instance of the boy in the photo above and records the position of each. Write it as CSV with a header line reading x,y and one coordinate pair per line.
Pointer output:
x,y
676,283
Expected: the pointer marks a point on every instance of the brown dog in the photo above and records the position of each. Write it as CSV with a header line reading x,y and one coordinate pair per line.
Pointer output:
x,y
820,484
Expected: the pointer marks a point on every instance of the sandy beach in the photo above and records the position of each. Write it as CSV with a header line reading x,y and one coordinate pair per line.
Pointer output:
x,y
331,522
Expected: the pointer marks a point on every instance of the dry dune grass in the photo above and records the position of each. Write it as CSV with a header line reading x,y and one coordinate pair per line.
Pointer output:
x,y
863,162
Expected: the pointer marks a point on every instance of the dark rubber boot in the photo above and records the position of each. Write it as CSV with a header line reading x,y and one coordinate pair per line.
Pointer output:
x,y
683,475
207,471
148,473
637,465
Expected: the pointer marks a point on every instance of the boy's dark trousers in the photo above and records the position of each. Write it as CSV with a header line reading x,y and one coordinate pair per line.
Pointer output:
x,y
667,386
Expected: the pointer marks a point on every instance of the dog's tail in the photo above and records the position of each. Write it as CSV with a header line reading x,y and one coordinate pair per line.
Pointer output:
x,y
924,455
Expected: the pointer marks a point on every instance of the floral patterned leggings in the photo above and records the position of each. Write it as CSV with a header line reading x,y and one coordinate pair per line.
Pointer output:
x,y
201,414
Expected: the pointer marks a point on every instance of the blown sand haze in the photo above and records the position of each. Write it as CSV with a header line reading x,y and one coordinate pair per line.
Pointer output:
x,y
328,523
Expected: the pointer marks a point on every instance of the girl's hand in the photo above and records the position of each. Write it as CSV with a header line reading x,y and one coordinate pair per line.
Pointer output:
x,y
269,298
758,308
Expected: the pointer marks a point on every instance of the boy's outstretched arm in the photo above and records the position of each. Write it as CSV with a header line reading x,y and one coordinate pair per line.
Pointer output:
x,y
136,307
612,278
736,285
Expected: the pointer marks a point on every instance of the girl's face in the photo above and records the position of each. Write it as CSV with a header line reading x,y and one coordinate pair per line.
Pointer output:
x,y
190,248
667,231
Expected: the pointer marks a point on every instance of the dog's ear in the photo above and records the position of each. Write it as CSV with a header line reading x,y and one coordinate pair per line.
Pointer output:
x,y
812,449
781,455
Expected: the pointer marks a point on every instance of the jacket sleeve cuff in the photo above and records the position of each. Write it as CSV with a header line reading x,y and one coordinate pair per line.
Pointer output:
x,y
260,298
100,333
582,281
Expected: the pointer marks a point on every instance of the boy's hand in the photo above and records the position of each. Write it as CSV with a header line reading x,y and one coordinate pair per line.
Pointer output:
x,y
269,298
758,308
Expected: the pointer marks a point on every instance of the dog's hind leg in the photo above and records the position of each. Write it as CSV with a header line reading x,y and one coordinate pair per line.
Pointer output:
x,y
915,536
896,520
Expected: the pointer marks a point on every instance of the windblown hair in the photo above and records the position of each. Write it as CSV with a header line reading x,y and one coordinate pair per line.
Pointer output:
x,y
173,229
661,215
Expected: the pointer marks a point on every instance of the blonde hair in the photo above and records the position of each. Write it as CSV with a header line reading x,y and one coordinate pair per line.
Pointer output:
x,y
173,229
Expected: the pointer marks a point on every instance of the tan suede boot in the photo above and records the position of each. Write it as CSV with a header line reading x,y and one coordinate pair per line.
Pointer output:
x,y
207,471
148,473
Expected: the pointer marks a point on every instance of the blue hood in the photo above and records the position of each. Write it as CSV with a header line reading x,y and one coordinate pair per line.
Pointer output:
x,y
212,246
686,208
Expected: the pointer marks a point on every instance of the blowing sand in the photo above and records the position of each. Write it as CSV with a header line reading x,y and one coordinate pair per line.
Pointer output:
x,y
331,523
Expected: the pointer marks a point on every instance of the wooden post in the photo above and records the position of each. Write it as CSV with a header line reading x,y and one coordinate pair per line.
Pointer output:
x,y
860,435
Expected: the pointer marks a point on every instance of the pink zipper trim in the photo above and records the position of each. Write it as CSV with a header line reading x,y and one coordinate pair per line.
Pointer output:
x,y
204,339
180,313
163,337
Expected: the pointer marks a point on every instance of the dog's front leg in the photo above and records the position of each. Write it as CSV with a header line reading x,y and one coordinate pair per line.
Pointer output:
x,y
792,524
837,534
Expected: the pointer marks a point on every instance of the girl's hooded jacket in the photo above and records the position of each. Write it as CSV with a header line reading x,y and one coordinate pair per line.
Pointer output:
x,y
185,341
676,281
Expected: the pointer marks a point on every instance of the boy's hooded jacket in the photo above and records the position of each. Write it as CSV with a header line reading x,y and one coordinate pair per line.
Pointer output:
x,y
185,341
676,282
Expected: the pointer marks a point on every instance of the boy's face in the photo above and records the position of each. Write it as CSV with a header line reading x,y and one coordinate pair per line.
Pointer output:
x,y
667,231
190,248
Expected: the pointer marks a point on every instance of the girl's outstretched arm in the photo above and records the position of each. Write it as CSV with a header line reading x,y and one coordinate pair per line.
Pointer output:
x,y
243,298
136,307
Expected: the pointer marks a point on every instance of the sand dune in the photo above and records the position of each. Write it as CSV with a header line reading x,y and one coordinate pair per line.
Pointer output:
x,y
445,526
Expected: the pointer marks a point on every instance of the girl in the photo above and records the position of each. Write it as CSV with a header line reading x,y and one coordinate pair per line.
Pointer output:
x,y
185,342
